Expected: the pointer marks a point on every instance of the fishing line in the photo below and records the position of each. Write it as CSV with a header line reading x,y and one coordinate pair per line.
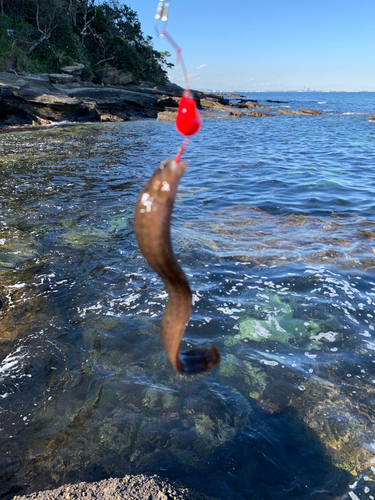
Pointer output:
x,y
188,120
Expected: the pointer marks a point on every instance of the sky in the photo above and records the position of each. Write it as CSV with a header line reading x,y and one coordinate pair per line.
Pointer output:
x,y
257,45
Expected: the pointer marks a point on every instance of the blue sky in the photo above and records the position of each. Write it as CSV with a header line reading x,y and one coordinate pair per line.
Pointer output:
x,y
269,44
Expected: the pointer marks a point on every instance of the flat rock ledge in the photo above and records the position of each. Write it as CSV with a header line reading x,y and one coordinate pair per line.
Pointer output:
x,y
39,100
36,101
303,112
139,487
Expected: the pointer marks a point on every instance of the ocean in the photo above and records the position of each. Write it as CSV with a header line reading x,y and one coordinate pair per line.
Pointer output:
x,y
274,225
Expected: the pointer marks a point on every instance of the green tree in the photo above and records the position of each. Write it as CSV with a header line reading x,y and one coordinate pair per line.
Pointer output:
x,y
44,34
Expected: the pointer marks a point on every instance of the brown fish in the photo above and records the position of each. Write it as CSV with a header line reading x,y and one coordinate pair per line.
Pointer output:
x,y
152,229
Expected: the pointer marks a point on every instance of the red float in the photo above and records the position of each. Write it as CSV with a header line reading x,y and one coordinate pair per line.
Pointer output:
x,y
188,120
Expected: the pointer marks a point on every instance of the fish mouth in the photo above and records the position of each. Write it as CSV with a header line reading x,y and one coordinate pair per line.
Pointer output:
x,y
173,166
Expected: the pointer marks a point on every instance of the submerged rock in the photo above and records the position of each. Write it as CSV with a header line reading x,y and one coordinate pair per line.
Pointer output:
x,y
16,247
343,426
82,236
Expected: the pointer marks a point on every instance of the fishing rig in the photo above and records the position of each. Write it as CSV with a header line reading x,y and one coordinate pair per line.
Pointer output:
x,y
188,120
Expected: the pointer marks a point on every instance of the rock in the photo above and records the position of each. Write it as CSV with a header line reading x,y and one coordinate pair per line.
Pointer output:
x,y
117,96
250,105
108,117
168,102
167,116
283,111
15,81
34,96
52,107
209,114
108,76
124,77
340,426
309,112
16,247
61,78
210,103
150,113
36,100
141,487
41,121
277,102
234,114
372,118
303,112
233,94
258,113
75,69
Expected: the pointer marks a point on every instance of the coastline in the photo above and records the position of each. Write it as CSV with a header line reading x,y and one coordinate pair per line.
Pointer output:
x,y
33,102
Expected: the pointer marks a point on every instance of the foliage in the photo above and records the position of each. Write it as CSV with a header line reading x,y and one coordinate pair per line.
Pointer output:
x,y
43,35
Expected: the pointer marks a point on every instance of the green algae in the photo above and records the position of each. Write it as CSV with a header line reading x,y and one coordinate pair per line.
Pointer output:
x,y
252,374
84,236
275,321
119,222
229,366
256,378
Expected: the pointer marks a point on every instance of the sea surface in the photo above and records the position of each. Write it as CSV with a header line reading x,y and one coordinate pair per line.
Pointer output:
x,y
274,225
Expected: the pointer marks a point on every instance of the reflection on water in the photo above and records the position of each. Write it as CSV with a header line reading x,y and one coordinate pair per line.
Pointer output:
x,y
274,225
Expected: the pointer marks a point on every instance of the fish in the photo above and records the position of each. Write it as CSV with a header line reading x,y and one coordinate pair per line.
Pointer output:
x,y
152,226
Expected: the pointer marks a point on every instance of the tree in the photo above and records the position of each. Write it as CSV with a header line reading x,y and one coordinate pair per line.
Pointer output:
x,y
45,16
50,33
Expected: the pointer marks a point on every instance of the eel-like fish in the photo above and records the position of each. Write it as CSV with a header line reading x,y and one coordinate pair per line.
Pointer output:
x,y
152,229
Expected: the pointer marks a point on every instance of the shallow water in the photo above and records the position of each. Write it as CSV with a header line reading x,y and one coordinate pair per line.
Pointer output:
x,y
274,225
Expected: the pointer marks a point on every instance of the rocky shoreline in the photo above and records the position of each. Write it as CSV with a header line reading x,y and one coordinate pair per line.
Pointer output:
x,y
42,100
138,487
37,101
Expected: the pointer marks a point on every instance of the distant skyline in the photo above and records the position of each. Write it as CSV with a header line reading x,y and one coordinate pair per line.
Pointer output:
x,y
269,45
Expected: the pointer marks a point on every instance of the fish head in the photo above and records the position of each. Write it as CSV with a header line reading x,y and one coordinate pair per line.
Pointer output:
x,y
163,184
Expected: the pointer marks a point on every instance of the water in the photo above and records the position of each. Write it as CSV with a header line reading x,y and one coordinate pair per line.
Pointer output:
x,y
274,225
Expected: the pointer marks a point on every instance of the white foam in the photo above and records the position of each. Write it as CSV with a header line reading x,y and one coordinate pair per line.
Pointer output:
x,y
330,336
227,310
12,363
269,362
